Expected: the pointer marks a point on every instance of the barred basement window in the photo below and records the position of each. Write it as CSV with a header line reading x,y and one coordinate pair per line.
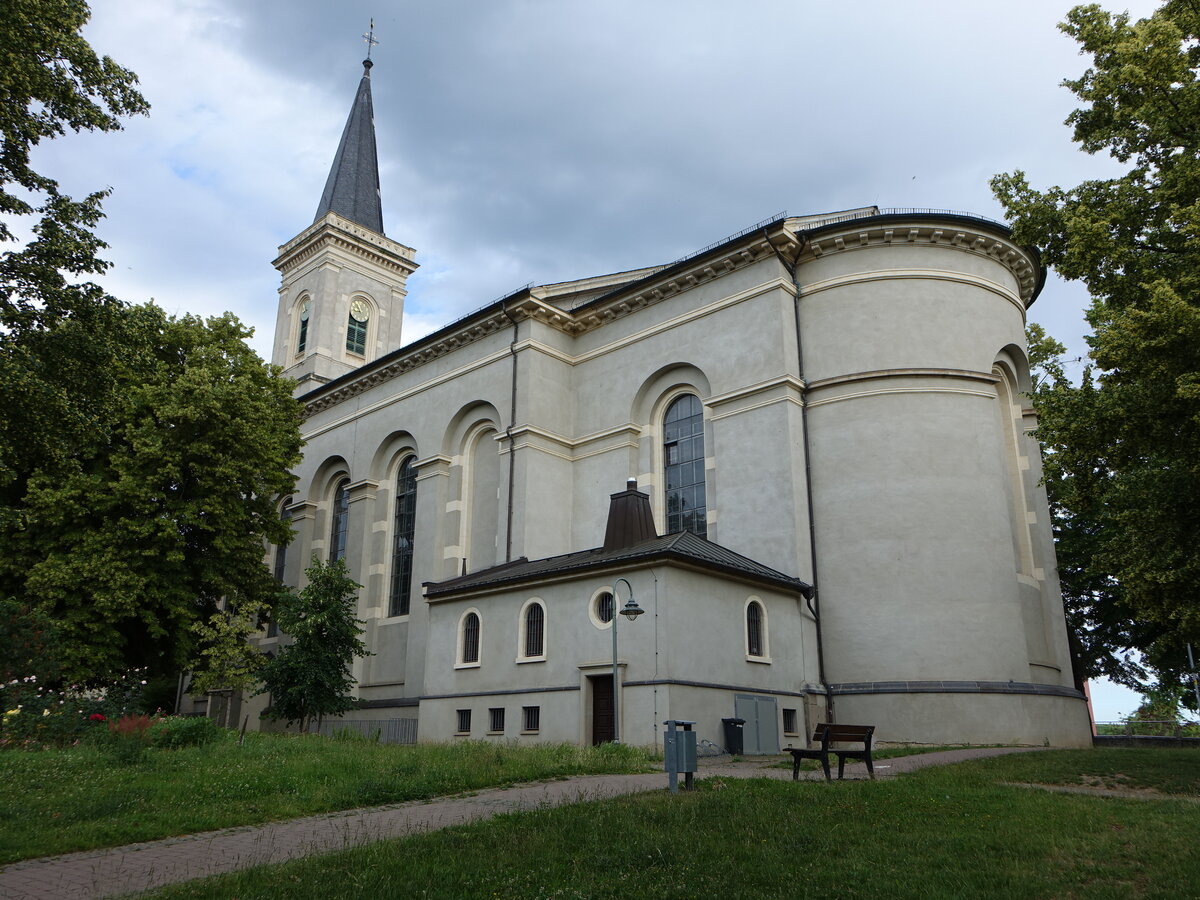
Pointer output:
x,y
402,548
464,721
531,718
341,521
683,465
496,719
789,721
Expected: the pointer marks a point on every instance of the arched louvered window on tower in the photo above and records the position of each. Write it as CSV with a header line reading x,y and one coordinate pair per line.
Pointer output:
x,y
683,466
356,327
403,529
340,521
305,313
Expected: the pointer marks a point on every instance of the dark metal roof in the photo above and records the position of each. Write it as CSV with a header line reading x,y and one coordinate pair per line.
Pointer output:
x,y
684,548
352,189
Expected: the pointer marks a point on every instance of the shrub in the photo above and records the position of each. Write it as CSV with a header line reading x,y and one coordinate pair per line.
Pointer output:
x,y
174,732
129,737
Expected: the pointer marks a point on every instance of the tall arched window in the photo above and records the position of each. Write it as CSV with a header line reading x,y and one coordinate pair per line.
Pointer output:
x,y
341,521
754,629
534,626
403,528
683,464
305,312
469,640
281,549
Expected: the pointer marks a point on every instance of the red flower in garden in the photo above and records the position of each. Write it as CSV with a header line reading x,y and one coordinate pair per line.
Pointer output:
x,y
96,717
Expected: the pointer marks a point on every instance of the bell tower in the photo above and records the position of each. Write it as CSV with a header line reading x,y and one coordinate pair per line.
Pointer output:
x,y
341,301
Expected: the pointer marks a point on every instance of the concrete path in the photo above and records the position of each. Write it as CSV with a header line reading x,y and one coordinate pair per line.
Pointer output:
x,y
141,867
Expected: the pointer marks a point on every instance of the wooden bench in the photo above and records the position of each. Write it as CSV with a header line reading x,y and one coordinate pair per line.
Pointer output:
x,y
826,734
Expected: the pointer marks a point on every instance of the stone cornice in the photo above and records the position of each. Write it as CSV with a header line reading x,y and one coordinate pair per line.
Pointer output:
x,y
527,305
954,235
334,231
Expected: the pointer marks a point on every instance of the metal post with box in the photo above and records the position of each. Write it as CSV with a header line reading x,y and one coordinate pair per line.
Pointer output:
x,y
679,753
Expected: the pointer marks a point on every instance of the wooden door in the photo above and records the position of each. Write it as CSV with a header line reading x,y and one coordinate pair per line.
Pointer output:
x,y
602,708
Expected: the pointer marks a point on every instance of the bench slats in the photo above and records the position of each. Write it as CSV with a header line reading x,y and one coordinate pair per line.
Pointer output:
x,y
827,733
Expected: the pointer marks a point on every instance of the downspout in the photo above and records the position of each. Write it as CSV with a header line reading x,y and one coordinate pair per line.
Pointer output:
x,y
813,601
508,433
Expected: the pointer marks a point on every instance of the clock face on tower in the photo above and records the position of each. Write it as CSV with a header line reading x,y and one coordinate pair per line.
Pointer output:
x,y
360,311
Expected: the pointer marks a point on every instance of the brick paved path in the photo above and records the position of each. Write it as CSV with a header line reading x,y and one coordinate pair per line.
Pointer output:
x,y
141,867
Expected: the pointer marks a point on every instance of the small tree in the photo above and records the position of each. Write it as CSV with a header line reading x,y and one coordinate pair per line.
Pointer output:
x,y
310,678
227,660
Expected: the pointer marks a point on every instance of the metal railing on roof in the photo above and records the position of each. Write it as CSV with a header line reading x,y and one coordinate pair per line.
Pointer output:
x,y
897,211
782,214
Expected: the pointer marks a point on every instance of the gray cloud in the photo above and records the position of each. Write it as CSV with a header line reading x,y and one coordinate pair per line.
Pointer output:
x,y
530,140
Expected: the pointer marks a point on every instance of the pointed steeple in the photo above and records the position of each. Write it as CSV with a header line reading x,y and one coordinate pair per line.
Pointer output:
x,y
352,189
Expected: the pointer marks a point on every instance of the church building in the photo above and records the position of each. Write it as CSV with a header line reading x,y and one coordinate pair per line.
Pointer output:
x,y
802,454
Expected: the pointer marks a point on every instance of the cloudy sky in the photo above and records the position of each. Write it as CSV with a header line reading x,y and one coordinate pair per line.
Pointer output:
x,y
545,140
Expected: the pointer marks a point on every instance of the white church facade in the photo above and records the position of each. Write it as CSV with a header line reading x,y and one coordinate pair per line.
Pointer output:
x,y
835,510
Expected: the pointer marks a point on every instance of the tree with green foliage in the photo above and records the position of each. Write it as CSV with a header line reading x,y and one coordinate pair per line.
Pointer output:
x,y
1123,447
51,81
166,511
310,677
140,455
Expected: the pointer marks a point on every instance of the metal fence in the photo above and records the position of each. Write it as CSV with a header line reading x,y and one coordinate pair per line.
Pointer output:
x,y
386,731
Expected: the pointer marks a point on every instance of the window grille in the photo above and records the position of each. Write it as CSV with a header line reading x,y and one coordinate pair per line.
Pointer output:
x,y
496,718
532,716
470,638
754,642
683,463
605,607
404,528
464,721
535,630
789,721
341,521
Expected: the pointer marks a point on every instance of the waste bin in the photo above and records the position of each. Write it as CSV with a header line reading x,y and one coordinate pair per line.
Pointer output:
x,y
734,729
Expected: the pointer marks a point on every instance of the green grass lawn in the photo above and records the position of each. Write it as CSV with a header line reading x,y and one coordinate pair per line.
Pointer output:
x,y
80,798
955,831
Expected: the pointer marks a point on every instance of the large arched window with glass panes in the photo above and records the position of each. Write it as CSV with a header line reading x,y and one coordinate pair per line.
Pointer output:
x,y
683,466
340,524
403,528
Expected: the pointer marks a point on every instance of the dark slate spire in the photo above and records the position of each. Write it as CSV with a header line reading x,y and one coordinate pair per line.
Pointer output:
x,y
352,189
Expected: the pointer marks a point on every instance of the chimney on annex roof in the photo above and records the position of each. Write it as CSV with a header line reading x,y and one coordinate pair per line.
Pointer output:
x,y
630,520
352,189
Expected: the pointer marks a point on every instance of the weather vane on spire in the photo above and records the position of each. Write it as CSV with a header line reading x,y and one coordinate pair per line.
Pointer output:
x,y
369,38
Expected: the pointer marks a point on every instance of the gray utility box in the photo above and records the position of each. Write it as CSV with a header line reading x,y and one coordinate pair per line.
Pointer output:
x,y
679,751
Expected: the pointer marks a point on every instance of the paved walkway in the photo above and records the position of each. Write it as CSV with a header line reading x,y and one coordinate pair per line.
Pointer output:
x,y
141,867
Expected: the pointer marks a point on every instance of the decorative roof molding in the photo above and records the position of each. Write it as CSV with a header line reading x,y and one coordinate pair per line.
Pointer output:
x,y
334,231
957,234
777,238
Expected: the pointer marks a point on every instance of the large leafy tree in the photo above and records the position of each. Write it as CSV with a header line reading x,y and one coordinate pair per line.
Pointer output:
x,y
310,677
1124,445
140,455
165,512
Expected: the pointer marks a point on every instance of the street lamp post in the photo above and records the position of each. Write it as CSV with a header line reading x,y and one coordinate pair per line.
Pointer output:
x,y
630,611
